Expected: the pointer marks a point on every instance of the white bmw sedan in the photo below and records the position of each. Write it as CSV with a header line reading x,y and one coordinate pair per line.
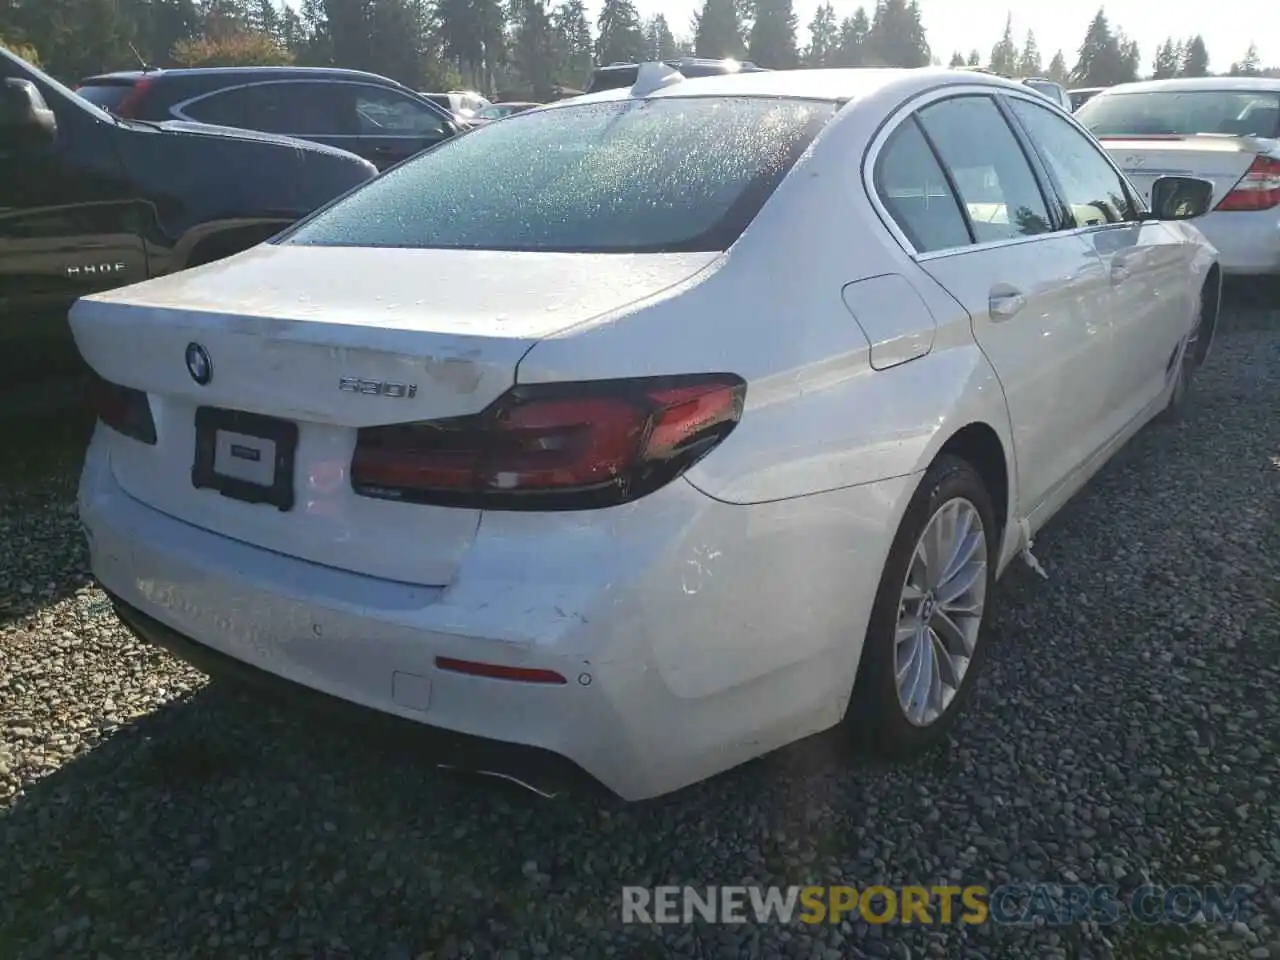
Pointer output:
x,y
646,433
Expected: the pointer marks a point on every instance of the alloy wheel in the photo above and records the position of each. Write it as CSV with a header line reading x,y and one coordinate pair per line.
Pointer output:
x,y
940,611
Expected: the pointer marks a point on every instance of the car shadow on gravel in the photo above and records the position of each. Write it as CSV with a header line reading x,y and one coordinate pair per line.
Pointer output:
x,y
1125,730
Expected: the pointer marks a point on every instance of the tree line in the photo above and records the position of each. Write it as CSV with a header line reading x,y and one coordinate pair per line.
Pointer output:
x,y
538,48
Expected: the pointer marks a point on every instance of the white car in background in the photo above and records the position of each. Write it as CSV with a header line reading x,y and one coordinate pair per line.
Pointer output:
x,y
1223,129
756,384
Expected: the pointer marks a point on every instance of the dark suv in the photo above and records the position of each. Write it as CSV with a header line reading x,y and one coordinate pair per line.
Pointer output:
x,y
619,75
89,201
379,119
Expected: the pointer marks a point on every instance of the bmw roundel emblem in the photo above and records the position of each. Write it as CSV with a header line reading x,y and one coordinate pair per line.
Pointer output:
x,y
198,364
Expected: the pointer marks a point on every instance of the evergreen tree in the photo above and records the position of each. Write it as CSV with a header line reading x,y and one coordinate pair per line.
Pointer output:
x,y
824,37
772,41
1130,58
1249,66
957,59
1029,62
1167,61
1195,59
575,50
851,50
1058,69
718,32
1105,58
896,38
1004,55
975,59
660,44
532,48
621,36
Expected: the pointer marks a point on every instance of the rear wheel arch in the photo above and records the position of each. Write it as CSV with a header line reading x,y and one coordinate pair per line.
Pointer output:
x,y
980,446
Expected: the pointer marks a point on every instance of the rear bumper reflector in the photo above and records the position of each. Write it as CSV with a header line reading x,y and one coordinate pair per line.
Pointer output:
x,y
498,672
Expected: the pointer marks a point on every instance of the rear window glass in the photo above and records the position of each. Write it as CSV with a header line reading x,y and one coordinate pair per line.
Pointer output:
x,y
107,96
635,176
1183,113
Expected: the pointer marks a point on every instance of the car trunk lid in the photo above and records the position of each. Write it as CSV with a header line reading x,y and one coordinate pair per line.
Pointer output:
x,y
1221,159
329,340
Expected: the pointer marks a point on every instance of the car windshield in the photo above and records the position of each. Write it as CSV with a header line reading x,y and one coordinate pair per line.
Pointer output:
x,y
632,176
1183,113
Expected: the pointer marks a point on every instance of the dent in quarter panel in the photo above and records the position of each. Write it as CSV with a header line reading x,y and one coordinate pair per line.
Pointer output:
x,y
896,321
861,427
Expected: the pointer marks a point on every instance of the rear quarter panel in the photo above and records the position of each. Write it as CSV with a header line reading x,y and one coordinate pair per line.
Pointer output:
x,y
817,416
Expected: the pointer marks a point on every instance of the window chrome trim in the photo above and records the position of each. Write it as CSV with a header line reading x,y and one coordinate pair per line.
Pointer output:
x,y
178,110
907,109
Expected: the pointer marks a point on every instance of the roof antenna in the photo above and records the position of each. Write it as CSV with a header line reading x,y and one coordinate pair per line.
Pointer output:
x,y
141,62
654,76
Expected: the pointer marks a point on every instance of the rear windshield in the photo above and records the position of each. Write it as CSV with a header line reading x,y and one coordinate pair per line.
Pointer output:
x,y
1184,113
633,176
107,96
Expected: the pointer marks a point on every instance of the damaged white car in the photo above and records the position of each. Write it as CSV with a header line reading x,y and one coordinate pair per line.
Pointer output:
x,y
646,433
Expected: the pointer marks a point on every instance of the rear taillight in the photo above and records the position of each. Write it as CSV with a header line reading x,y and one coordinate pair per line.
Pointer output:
x,y
123,409
1258,189
563,446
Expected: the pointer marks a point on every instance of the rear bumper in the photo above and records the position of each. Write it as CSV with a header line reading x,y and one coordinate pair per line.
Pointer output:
x,y
1248,243
692,635
542,771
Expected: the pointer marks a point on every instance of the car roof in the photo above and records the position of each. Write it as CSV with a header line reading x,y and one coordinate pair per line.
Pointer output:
x,y
290,72
836,84
1183,84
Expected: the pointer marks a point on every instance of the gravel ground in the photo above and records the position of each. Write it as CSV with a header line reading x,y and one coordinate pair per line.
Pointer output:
x,y
1125,729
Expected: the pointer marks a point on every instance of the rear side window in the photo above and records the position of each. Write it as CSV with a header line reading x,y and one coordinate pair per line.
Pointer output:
x,y
107,96
229,108
304,109
1183,113
633,176
914,191
995,181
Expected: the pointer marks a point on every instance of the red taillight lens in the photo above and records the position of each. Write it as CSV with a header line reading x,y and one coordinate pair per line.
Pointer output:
x,y
496,671
123,409
553,446
1258,189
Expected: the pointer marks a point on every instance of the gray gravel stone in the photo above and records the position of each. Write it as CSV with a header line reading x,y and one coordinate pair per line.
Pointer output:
x,y
1124,732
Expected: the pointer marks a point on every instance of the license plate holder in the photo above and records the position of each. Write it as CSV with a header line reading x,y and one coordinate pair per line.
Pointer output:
x,y
245,456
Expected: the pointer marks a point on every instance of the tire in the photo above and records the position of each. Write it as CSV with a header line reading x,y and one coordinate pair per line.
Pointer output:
x,y
877,715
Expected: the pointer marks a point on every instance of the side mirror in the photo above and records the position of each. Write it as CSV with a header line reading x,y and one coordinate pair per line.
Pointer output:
x,y
25,119
1181,198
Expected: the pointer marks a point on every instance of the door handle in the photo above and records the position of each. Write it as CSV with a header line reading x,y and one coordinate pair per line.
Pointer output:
x,y
1004,303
